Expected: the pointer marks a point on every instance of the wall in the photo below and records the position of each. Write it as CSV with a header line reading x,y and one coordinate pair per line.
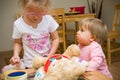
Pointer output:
x,y
68,3
9,8
7,16
107,11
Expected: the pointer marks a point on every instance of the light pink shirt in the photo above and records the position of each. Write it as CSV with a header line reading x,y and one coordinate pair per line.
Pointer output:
x,y
93,53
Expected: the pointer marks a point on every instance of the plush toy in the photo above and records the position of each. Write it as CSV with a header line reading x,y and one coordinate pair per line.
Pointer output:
x,y
72,51
66,66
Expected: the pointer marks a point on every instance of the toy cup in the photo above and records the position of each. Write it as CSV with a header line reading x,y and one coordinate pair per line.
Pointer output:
x,y
15,75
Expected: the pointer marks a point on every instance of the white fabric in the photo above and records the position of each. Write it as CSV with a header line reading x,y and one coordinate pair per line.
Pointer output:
x,y
35,40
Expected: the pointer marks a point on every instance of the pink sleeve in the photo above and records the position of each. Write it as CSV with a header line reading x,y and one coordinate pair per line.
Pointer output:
x,y
94,63
96,60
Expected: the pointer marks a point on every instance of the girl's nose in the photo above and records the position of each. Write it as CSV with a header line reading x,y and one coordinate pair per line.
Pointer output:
x,y
77,31
36,17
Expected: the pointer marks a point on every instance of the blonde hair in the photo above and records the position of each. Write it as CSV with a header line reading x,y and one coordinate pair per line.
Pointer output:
x,y
96,27
45,4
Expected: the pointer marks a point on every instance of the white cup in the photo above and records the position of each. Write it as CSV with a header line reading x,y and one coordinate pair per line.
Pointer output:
x,y
15,75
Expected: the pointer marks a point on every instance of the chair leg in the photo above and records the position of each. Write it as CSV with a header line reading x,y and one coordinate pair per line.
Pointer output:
x,y
108,52
76,29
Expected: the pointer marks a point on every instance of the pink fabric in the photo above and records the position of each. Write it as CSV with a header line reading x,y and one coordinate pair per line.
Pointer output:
x,y
93,53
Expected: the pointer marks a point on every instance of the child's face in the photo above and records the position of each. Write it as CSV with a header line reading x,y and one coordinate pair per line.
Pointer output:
x,y
84,36
34,14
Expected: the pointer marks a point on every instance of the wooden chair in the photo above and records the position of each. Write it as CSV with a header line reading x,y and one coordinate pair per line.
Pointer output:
x,y
114,35
58,15
71,32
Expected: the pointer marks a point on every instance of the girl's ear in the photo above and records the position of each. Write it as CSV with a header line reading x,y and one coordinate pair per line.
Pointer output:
x,y
92,39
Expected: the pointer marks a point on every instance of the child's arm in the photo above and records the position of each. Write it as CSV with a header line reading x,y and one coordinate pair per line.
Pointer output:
x,y
55,43
96,59
17,49
94,63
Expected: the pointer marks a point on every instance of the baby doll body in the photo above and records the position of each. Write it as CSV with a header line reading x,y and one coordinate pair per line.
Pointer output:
x,y
68,69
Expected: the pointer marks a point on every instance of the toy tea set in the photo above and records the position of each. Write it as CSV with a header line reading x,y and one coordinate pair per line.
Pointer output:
x,y
15,75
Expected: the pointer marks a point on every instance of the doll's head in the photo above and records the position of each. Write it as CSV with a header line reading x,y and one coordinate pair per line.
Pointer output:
x,y
72,50
38,62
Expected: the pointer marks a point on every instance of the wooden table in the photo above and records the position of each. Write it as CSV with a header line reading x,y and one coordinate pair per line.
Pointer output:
x,y
87,75
77,17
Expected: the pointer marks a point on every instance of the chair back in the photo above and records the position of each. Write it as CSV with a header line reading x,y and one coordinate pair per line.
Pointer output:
x,y
58,14
113,37
116,19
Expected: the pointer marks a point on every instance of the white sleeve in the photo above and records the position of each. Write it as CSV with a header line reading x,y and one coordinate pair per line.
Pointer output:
x,y
53,24
16,32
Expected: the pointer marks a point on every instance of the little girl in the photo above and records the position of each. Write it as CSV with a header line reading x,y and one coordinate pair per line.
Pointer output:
x,y
32,32
92,32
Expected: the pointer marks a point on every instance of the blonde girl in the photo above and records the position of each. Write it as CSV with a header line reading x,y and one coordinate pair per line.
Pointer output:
x,y
32,32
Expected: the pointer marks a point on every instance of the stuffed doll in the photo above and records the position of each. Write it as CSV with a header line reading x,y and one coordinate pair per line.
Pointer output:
x,y
66,66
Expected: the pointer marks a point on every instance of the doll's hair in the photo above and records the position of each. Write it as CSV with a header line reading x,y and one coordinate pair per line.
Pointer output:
x,y
97,28
45,4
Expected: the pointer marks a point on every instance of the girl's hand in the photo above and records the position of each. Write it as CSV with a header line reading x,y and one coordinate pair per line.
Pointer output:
x,y
15,60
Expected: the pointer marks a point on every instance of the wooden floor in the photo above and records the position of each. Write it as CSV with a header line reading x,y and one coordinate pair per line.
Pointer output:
x,y
114,68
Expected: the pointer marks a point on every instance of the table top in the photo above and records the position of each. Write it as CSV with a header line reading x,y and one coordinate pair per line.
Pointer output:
x,y
67,14
77,17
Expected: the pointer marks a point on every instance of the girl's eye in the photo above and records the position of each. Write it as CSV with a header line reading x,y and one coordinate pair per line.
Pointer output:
x,y
32,14
81,30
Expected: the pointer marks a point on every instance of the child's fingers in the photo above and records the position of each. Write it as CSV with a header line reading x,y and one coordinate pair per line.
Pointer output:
x,y
18,64
14,60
